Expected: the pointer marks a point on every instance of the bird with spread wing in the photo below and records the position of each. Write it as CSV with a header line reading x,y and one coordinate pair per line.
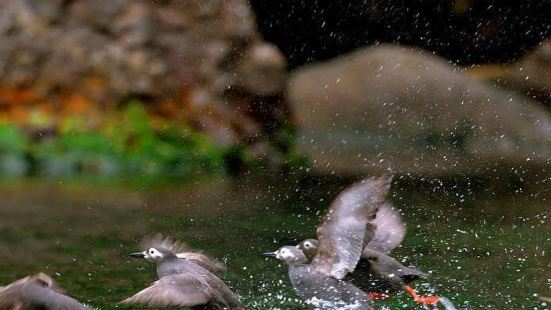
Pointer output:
x,y
185,279
360,230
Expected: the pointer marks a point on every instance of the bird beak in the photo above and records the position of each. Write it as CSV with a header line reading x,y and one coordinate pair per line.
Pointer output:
x,y
138,255
270,254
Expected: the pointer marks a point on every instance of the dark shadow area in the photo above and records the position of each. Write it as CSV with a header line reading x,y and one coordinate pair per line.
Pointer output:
x,y
464,31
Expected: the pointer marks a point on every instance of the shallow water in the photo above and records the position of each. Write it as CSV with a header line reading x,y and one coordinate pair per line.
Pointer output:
x,y
484,249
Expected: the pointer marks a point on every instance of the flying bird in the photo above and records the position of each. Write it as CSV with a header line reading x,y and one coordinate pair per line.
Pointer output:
x,y
349,225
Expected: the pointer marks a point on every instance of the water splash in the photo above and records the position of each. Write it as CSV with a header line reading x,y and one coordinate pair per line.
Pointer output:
x,y
448,305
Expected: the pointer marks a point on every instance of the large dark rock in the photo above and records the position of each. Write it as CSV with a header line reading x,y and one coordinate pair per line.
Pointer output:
x,y
464,31
204,59
395,108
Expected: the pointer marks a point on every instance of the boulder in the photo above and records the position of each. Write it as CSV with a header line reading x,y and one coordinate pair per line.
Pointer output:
x,y
532,74
395,108
204,61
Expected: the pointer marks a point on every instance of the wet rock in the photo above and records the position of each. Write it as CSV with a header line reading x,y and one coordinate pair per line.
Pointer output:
x,y
262,70
135,26
158,51
395,108
531,74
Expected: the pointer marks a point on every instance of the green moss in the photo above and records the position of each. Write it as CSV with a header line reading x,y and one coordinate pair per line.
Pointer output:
x,y
13,157
124,145
12,140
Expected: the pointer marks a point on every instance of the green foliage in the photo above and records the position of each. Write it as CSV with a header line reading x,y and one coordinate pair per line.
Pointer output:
x,y
13,144
12,140
125,145
284,140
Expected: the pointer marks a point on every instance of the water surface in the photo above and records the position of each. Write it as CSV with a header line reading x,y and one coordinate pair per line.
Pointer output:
x,y
484,249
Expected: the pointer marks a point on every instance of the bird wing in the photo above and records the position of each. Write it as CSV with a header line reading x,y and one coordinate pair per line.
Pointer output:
x,y
36,292
55,300
389,230
204,261
348,226
177,290
165,242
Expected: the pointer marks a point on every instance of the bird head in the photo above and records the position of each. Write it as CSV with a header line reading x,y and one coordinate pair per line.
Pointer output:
x,y
309,247
289,254
154,254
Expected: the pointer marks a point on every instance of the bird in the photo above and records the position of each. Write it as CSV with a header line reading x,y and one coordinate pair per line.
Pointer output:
x,y
36,292
183,251
377,272
389,231
347,228
183,280
317,288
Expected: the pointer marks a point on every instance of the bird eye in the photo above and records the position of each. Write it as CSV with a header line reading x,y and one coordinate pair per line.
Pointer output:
x,y
151,251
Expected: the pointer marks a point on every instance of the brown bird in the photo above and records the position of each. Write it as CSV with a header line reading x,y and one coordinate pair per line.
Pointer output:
x,y
377,272
37,292
183,281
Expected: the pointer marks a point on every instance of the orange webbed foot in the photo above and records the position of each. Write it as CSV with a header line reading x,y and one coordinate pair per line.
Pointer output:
x,y
425,300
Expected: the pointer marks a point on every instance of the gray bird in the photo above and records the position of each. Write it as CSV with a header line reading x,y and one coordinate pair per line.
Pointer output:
x,y
377,272
183,251
347,228
388,231
37,292
319,289
183,282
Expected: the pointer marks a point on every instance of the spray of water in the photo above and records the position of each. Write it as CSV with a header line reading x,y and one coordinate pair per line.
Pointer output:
x,y
448,305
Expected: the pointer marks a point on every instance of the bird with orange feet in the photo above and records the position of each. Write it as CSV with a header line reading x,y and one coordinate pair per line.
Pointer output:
x,y
376,272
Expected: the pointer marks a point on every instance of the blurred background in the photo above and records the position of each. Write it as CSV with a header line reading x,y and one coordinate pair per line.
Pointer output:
x,y
121,118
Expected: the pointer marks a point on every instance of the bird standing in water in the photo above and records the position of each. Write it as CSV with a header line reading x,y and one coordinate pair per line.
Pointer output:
x,y
185,280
